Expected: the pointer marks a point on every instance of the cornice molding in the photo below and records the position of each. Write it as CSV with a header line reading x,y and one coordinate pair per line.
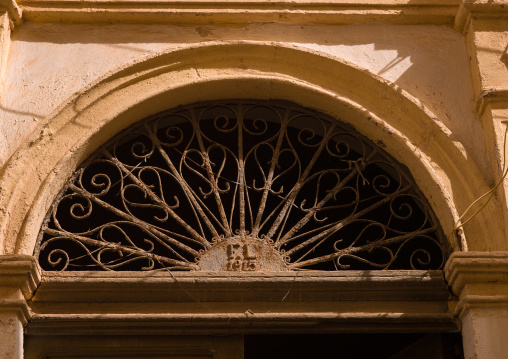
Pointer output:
x,y
19,277
464,268
474,9
438,12
457,13
20,271
478,279
14,11
489,98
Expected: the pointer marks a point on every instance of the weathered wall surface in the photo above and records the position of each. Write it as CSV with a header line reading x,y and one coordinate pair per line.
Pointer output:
x,y
459,75
50,62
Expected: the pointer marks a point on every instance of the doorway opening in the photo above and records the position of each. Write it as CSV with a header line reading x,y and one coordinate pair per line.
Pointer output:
x,y
354,346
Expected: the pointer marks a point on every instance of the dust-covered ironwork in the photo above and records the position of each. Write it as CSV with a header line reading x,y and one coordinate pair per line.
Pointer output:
x,y
240,186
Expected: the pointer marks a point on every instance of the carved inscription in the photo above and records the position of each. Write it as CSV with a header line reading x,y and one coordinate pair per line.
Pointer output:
x,y
242,254
241,257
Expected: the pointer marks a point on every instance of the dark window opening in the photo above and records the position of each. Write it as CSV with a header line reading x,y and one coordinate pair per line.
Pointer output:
x,y
355,346
255,185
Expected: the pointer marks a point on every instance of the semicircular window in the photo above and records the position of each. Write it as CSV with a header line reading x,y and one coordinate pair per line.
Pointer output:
x,y
240,186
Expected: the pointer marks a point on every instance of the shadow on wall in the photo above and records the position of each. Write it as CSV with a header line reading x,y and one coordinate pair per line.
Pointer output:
x,y
21,113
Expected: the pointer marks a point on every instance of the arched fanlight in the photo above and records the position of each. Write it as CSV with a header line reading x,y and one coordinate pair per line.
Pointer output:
x,y
240,186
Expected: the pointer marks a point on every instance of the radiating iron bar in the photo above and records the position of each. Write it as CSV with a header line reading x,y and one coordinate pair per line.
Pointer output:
x,y
163,204
249,205
344,222
209,172
208,210
133,219
241,170
296,188
203,205
365,247
118,247
234,182
271,172
313,231
302,222
331,224
312,249
182,183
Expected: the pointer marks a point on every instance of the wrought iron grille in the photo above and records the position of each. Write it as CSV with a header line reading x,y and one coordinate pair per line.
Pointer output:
x,y
240,186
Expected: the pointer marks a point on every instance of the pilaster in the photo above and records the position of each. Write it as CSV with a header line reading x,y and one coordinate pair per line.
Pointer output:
x,y
480,282
484,24
10,16
19,278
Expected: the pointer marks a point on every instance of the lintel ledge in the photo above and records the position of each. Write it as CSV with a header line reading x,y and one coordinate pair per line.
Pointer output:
x,y
464,269
437,12
244,286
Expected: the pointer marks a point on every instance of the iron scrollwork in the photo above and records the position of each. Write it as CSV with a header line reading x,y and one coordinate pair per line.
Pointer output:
x,y
240,185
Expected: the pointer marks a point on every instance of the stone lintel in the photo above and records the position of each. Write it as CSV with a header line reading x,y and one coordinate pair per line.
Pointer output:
x,y
226,286
227,302
249,322
478,279
457,13
437,12
19,278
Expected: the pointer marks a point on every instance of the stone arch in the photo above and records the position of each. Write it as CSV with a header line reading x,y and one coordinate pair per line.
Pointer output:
x,y
376,108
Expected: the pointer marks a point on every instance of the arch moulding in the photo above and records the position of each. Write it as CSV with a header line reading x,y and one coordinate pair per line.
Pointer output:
x,y
379,110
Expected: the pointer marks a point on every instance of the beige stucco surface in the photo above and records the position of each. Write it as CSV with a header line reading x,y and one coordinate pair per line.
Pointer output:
x,y
490,39
12,346
50,62
483,323
435,96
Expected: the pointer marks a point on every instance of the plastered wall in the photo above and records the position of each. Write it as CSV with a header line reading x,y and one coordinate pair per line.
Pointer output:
x,y
49,62
444,70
